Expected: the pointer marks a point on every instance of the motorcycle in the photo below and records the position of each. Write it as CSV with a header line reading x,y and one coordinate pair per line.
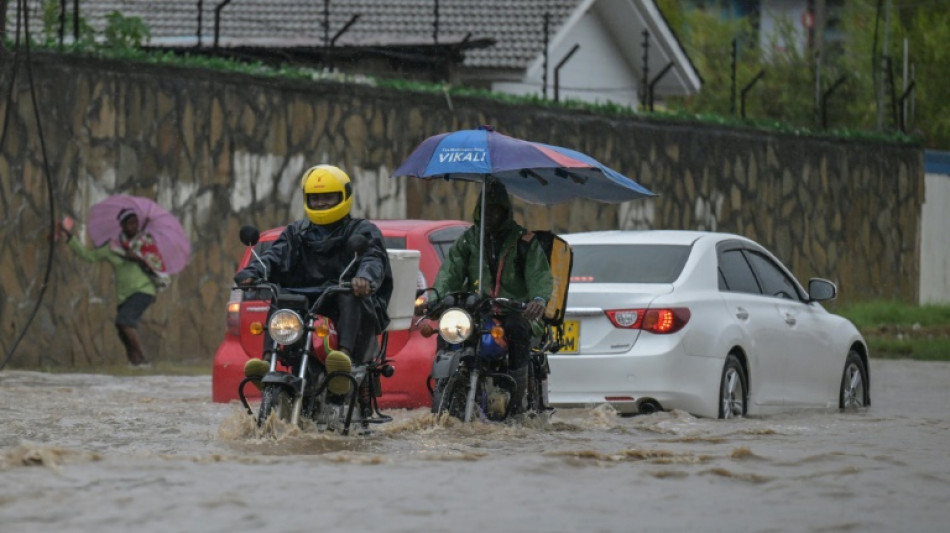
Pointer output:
x,y
295,386
470,370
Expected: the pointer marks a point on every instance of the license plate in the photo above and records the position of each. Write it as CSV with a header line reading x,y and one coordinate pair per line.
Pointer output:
x,y
572,337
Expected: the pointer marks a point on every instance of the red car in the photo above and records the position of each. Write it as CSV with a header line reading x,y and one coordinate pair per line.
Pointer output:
x,y
410,352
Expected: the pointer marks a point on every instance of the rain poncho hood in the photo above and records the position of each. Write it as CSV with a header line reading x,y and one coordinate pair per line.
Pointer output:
x,y
504,273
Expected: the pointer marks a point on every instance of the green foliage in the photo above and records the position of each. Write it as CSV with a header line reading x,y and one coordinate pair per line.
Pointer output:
x,y
842,88
781,101
878,313
898,330
52,25
909,347
125,32
708,39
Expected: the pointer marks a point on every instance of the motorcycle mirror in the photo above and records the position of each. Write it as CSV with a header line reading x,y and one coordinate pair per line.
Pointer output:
x,y
357,244
249,235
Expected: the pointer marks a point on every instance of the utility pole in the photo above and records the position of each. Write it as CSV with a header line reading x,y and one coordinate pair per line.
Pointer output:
x,y
818,41
544,67
882,79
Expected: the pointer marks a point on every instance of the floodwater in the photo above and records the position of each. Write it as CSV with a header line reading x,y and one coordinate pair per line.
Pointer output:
x,y
94,453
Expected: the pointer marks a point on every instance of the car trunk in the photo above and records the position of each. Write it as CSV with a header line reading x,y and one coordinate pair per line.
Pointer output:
x,y
587,306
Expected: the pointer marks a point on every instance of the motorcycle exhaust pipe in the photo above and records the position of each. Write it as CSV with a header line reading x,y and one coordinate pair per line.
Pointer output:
x,y
648,406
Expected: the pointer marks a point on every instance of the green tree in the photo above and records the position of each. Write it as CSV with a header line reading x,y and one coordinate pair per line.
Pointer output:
x,y
125,32
787,92
52,25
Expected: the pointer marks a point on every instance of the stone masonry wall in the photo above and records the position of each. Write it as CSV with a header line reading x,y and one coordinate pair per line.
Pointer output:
x,y
223,150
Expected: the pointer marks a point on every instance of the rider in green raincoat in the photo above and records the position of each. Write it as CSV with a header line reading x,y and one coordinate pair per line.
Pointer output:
x,y
506,272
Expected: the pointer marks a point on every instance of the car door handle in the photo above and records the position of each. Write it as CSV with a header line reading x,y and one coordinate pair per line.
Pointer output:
x,y
742,314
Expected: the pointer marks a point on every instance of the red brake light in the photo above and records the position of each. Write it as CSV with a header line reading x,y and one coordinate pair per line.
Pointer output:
x,y
660,321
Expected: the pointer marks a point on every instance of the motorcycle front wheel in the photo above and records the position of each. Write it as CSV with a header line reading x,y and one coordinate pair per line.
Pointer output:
x,y
275,399
533,391
454,394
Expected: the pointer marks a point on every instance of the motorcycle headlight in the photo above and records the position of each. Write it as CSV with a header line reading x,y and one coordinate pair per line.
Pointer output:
x,y
285,327
455,326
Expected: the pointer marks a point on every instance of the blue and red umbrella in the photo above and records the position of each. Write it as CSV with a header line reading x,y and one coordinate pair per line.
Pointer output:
x,y
535,172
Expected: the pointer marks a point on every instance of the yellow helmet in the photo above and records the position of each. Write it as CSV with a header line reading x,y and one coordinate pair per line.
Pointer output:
x,y
323,179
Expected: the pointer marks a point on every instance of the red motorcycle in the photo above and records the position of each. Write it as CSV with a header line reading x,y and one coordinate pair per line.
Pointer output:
x,y
295,386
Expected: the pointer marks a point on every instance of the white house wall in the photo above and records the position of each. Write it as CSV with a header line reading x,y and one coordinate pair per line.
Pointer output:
x,y
596,73
935,240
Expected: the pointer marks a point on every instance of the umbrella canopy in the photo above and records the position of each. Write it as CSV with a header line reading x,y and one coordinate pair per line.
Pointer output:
x,y
103,226
535,172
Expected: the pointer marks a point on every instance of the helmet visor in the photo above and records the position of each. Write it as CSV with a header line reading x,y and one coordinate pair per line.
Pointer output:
x,y
323,200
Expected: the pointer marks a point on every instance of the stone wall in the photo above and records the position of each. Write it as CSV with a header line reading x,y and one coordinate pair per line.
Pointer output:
x,y
222,150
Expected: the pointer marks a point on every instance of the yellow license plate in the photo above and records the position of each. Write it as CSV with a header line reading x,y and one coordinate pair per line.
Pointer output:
x,y
572,337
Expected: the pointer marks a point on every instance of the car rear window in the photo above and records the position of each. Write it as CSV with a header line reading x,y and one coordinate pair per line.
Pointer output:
x,y
628,263
443,239
394,243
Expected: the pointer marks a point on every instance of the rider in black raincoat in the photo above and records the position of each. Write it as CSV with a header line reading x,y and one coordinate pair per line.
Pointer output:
x,y
311,253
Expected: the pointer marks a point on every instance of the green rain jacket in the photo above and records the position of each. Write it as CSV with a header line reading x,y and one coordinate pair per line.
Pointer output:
x,y
459,272
129,276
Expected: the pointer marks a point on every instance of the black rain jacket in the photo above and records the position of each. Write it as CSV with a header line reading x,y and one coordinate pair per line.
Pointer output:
x,y
302,258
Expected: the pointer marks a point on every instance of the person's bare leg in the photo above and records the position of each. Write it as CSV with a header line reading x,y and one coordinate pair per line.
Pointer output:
x,y
125,344
130,336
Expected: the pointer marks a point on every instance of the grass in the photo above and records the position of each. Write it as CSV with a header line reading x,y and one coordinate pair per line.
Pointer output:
x,y
895,330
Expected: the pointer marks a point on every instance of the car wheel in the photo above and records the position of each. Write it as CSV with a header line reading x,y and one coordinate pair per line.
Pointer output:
x,y
854,391
733,389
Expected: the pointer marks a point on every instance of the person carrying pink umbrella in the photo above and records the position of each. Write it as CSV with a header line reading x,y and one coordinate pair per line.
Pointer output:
x,y
139,274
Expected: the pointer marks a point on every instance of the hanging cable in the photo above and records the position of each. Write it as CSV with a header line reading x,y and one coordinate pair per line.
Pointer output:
x,y
21,9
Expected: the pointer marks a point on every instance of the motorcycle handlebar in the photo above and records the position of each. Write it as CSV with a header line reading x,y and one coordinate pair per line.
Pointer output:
x,y
274,289
465,300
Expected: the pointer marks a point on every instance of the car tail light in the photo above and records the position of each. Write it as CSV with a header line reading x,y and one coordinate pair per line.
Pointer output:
x,y
664,320
234,312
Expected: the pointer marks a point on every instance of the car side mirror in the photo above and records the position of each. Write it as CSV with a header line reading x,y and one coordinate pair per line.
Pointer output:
x,y
249,235
821,289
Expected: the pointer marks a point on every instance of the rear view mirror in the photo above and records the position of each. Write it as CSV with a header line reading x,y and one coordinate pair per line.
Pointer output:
x,y
357,244
249,235
821,289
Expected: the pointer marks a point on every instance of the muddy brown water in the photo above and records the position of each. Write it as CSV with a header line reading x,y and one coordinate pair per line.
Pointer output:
x,y
94,453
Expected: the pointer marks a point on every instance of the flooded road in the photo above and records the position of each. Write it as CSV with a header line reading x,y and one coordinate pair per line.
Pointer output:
x,y
93,453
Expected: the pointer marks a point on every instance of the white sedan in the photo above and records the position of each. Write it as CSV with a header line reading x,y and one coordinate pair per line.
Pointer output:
x,y
709,323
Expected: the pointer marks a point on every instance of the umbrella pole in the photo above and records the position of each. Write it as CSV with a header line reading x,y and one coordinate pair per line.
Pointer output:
x,y
481,238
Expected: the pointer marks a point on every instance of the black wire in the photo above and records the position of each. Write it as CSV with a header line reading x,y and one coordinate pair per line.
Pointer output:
x,y
49,178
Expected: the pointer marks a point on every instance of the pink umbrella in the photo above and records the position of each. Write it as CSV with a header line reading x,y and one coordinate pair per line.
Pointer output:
x,y
103,226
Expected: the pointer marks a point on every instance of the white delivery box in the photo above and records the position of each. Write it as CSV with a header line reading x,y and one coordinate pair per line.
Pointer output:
x,y
405,265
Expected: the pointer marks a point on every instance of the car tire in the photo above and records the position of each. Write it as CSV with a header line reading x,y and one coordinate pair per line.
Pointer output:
x,y
733,389
854,392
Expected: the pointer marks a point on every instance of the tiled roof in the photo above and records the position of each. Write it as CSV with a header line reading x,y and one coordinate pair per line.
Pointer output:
x,y
515,25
